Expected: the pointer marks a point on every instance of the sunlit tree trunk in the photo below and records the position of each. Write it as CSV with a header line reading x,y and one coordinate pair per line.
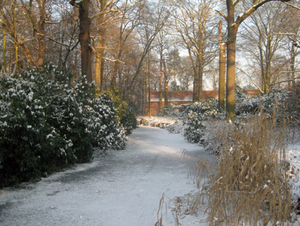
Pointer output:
x,y
231,47
38,26
100,46
222,71
16,44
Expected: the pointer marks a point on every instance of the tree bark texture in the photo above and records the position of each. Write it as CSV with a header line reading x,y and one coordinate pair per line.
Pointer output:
x,y
85,40
231,47
100,47
222,70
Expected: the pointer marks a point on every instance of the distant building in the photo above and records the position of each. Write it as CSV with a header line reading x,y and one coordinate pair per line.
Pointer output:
x,y
184,97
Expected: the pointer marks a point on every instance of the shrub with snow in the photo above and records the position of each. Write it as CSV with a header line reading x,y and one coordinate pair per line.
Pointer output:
x,y
195,129
293,105
125,113
45,124
274,100
207,108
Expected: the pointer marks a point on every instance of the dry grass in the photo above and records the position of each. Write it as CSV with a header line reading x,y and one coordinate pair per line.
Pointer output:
x,y
249,184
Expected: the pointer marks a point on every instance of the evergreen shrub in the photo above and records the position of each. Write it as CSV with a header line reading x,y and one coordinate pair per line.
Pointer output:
x,y
195,129
125,113
46,124
293,105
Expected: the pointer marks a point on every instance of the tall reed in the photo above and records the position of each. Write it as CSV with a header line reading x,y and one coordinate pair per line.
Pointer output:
x,y
249,185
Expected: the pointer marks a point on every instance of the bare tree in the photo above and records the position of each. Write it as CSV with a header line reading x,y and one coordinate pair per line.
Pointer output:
x,y
233,24
14,23
128,22
264,33
37,15
192,24
152,22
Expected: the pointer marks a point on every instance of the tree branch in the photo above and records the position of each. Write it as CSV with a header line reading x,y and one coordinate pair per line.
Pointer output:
x,y
222,14
102,12
254,7
254,83
293,6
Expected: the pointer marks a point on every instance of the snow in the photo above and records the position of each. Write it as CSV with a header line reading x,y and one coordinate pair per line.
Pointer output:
x,y
122,188
293,156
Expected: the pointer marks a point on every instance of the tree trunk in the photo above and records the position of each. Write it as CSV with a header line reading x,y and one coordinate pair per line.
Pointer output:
x,y
268,66
293,60
116,70
166,87
231,46
85,40
100,48
41,35
195,88
144,94
200,77
41,52
16,43
222,70
149,85
4,44
98,68
160,105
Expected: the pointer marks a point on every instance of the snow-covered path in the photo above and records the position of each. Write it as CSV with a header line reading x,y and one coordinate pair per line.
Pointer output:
x,y
122,189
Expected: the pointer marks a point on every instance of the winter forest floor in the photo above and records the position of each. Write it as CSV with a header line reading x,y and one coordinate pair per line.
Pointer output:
x,y
124,188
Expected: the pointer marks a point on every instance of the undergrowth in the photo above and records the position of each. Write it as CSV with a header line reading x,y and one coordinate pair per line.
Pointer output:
x,y
249,185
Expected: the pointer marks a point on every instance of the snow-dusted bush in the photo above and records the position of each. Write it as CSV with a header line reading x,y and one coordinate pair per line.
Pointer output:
x,y
207,109
195,129
105,128
170,110
45,124
274,100
125,114
293,105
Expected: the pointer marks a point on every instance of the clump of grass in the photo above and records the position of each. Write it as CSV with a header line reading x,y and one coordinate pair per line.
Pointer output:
x,y
249,186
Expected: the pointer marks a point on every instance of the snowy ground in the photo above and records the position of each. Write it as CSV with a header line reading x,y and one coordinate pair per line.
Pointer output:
x,y
122,189
292,156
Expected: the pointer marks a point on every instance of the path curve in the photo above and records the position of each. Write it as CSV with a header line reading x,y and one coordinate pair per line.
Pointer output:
x,y
122,189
